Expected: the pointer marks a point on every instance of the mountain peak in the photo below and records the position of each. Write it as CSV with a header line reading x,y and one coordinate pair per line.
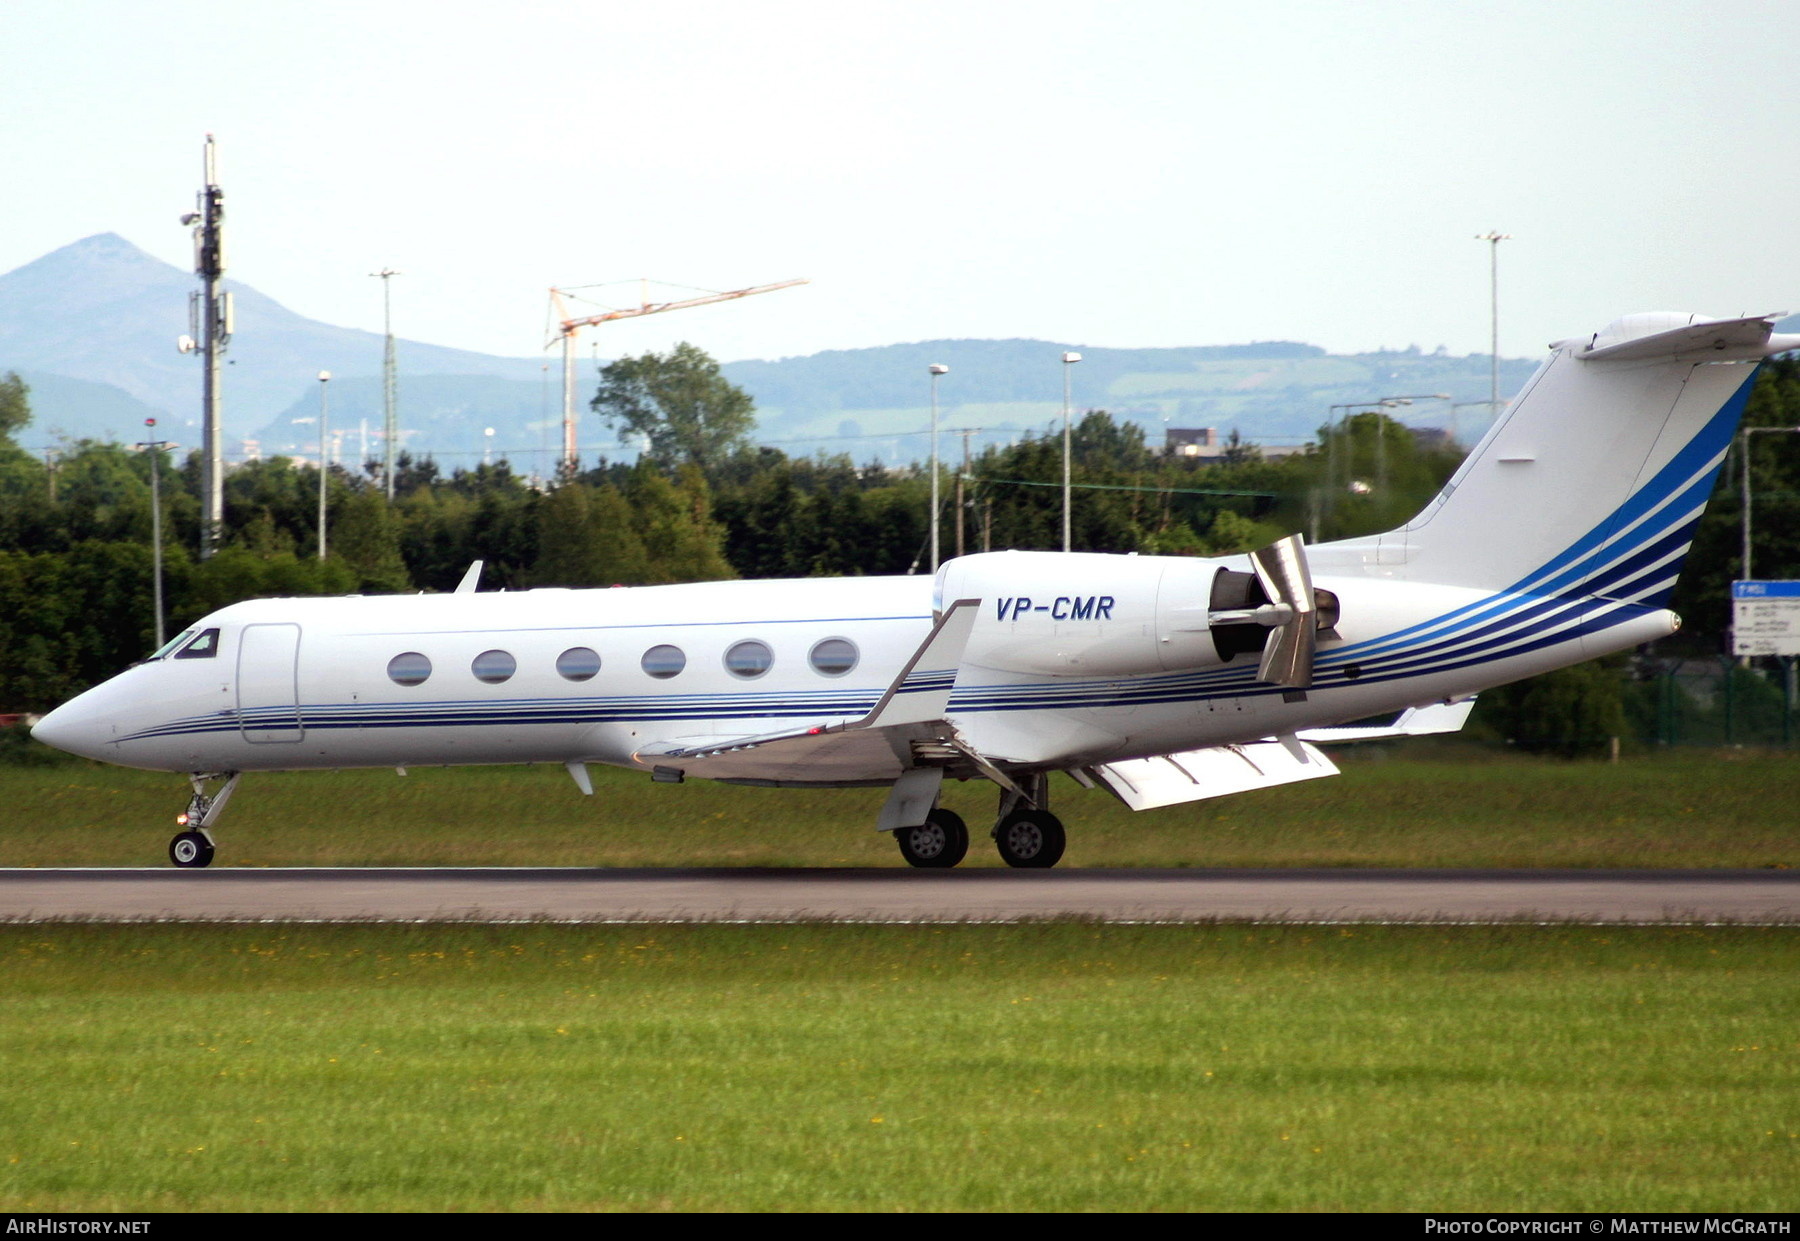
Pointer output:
x,y
106,257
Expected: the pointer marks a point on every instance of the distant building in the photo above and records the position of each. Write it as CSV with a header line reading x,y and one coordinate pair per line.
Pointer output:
x,y
1206,444
1192,442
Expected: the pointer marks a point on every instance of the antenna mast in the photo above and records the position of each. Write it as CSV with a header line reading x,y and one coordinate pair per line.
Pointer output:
x,y
211,308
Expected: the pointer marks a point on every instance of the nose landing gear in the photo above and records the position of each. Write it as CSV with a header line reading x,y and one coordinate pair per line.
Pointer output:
x,y
192,847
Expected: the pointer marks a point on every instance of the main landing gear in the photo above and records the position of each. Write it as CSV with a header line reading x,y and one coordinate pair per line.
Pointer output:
x,y
936,844
1030,839
1027,835
192,847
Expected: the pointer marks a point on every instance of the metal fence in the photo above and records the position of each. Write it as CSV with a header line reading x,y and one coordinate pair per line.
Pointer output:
x,y
1714,702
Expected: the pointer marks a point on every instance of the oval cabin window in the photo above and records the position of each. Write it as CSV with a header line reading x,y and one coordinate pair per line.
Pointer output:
x,y
409,668
578,663
494,667
834,656
749,659
663,662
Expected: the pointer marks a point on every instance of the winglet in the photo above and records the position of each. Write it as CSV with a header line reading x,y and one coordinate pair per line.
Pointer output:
x,y
922,690
470,580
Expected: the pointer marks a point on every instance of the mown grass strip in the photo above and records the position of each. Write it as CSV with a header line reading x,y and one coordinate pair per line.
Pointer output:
x,y
1731,809
1041,1067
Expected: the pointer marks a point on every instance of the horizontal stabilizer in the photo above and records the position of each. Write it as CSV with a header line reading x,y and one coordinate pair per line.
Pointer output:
x,y
1170,779
1704,340
1438,717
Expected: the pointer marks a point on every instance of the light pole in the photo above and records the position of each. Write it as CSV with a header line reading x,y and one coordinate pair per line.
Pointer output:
x,y
1390,402
936,369
1494,239
1746,434
1335,426
324,456
154,447
1069,359
1455,432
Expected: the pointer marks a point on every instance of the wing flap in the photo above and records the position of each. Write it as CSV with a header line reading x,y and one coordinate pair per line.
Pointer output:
x,y
1192,775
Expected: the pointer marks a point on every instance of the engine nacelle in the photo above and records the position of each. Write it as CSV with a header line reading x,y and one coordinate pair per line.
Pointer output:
x,y
1093,614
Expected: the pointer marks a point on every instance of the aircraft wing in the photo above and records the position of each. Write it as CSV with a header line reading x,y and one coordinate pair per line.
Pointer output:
x,y
1437,717
908,718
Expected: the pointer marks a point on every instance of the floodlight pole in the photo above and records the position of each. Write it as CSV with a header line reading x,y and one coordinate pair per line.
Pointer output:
x,y
154,447
324,455
1069,359
389,378
936,369
1494,239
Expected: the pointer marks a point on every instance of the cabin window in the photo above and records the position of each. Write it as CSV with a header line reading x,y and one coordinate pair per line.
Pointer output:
x,y
494,667
663,662
834,656
749,659
409,668
173,643
578,663
203,647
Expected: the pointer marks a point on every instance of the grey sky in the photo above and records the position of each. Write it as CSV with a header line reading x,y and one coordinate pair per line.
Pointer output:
x,y
1122,174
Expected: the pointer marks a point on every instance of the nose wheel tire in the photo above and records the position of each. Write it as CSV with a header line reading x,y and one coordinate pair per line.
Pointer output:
x,y
936,844
1030,839
191,850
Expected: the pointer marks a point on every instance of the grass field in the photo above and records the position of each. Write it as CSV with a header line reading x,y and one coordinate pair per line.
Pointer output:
x,y
1461,809
1051,1066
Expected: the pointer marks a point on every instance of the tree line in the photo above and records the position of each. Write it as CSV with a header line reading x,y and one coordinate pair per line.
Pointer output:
x,y
703,503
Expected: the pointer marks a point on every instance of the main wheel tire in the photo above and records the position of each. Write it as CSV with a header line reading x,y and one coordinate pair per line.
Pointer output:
x,y
191,850
936,844
1031,839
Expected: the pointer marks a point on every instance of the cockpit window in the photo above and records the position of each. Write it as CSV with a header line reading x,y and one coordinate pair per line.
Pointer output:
x,y
172,643
203,647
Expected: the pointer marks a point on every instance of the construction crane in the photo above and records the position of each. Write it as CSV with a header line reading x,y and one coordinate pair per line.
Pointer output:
x,y
569,328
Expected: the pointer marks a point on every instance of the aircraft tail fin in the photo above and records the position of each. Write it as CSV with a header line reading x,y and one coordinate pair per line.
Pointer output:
x,y
1593,480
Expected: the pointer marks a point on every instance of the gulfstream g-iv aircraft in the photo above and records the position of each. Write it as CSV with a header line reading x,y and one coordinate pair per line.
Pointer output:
x,y
1160,679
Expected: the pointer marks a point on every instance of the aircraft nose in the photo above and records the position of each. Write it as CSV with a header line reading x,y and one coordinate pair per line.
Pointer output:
x,y
76,727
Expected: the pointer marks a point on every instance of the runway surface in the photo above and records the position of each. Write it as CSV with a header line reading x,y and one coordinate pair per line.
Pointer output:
x,y
883,895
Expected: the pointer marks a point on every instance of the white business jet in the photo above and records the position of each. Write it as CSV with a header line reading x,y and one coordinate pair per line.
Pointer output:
x,y
1160,679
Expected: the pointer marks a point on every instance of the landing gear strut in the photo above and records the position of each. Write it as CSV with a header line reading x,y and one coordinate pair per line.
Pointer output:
x,y
936,844
1026,833
192,847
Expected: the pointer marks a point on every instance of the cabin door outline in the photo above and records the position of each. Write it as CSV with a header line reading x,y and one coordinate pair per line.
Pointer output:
x,y
268,684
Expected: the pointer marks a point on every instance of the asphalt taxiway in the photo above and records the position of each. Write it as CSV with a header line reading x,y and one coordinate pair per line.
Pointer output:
x,y
895,895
